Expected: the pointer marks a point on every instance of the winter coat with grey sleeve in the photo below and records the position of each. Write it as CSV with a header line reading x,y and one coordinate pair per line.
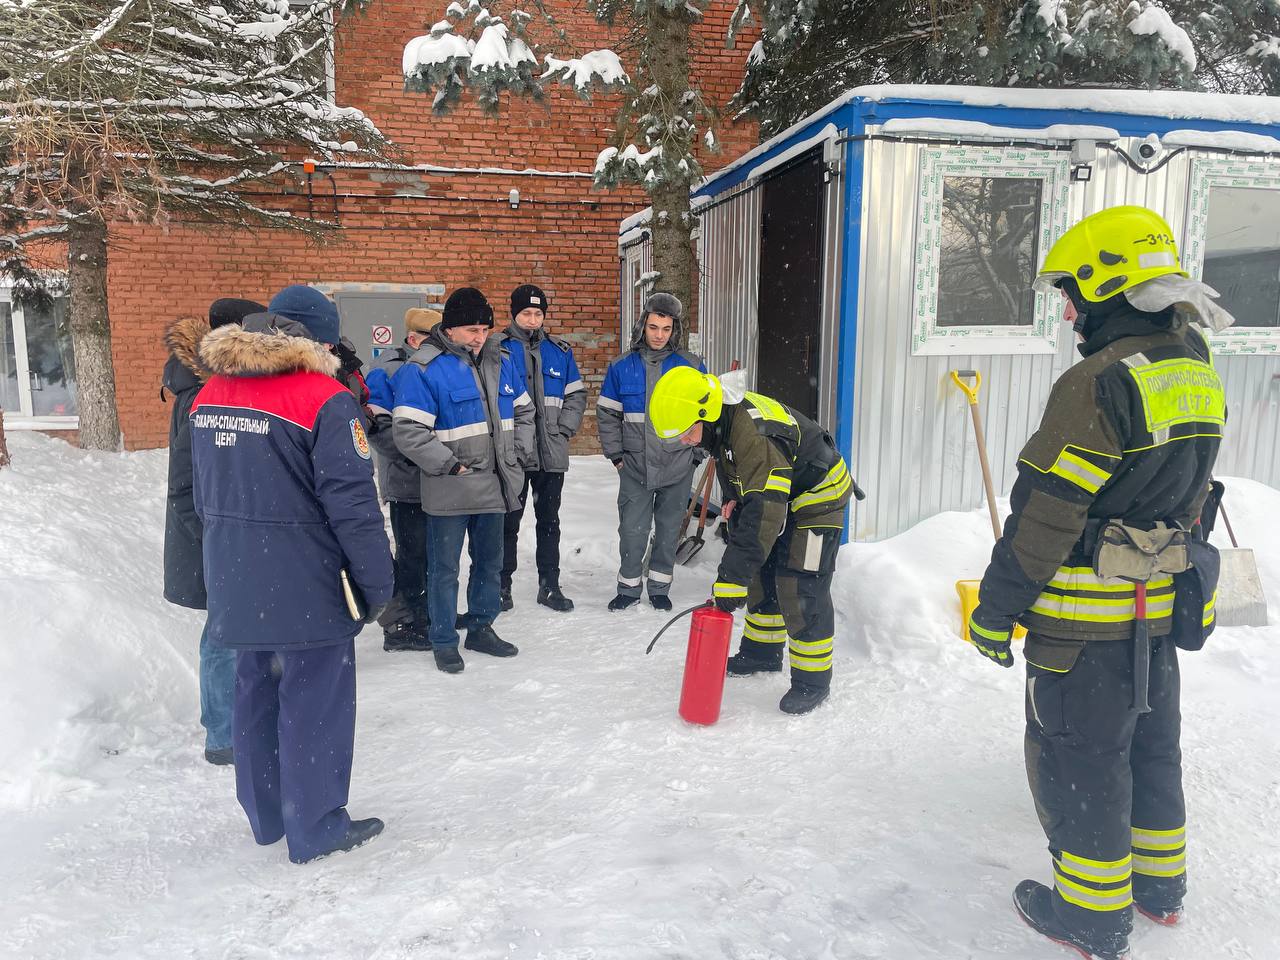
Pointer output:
x,y
453,409
398,476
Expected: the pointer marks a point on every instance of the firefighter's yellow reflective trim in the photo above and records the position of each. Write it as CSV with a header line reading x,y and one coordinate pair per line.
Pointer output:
x,y
1210,610
779,480
833,486
728,590
810,665
1085,475
765,634
812,647
1177,391
1099,610
1084,579
1170,866
997,635
1090,898
766,408
766,619
1097,871
1159,839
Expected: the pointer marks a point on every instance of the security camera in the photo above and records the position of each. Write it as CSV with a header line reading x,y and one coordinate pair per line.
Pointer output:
x,y
1147,149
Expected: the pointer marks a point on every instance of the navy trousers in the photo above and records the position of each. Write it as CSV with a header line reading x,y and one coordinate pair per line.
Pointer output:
x,y
483,532
295,723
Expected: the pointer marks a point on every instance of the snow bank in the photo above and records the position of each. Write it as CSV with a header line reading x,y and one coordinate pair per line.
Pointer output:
x,y
553,806
92,657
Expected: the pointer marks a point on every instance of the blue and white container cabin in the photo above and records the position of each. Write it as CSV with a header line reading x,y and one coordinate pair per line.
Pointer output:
x,y
855,259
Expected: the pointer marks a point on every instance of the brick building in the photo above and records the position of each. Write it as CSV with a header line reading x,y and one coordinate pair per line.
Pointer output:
x,y
493,202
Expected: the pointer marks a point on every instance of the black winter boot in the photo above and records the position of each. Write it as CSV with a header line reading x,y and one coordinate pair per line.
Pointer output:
x,y
360,832
660,601
622,601
448,659
803,697
484,640
1034,903
504,598
219,758
404,636
549,595
743,664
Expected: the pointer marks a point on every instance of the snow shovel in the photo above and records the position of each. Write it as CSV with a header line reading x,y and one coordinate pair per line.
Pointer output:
x,y
968,589
690,546
1240,600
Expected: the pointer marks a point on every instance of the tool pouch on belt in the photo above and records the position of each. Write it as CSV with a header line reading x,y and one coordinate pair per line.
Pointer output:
x,y
1137,555
1195,591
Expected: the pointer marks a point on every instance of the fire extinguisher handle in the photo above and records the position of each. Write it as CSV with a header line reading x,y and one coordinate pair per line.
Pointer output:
x,y
683,613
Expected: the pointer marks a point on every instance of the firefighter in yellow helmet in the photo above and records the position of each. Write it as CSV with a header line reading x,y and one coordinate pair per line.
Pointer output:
x,y
790,487
1105,521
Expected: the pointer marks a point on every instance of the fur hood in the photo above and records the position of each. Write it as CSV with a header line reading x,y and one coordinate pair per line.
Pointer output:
x,y
266,344
183,337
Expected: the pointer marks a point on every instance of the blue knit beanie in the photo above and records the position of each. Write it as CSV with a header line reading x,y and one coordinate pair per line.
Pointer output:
x,y
309,307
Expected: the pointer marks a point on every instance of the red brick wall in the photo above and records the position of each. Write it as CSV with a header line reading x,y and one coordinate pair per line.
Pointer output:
x,y
461,231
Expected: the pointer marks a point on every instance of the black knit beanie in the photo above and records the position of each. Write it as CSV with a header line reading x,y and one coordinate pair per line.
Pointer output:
x,y
527,295
465,307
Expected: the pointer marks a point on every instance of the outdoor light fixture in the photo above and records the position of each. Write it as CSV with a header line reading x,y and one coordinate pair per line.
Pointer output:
x,y
1083,153
514,198
1082,173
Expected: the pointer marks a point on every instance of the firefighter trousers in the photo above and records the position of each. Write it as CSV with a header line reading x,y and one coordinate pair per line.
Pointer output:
x,y
789,601
1107,784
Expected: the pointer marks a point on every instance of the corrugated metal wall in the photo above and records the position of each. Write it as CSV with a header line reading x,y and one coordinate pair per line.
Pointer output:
x,y
729,290
913,447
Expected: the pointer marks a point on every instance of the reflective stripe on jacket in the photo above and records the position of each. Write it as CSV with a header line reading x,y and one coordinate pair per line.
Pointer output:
x,y
559,396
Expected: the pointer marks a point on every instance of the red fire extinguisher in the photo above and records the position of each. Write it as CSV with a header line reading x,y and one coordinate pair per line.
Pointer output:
x,y
704,664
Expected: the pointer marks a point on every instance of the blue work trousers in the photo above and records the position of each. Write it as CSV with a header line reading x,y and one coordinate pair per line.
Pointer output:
x,y
217,691
295,724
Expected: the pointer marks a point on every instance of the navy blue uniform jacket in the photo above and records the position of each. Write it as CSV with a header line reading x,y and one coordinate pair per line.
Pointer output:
x,y
284,487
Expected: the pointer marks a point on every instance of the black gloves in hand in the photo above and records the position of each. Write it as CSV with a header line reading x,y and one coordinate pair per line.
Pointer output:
x,y
374,613
730,604
992,642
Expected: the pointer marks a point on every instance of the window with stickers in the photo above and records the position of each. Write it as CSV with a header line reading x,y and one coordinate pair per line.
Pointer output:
x,y
985,219
37,369
1233,244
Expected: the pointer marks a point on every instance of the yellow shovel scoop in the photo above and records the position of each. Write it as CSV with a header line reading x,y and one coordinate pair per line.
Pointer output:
x,y
968,589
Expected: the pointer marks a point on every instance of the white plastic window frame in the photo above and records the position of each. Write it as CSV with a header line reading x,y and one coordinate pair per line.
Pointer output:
x,y
1208,172
22,418
938,163
330,71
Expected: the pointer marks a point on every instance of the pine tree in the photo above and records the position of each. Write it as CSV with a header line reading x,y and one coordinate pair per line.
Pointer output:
x,y
149,111
1230,46
662,118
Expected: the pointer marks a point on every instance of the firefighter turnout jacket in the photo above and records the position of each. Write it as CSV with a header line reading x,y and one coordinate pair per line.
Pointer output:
x,y
1129,433
780,466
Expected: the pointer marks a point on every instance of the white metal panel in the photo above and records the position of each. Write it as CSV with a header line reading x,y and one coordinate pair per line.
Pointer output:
x,y
728,292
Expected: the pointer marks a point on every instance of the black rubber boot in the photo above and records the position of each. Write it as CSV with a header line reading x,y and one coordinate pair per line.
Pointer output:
x,y
803,697
746,664
660,601
622,601
219,758
360,831
1034,903
549,595
484,640
504,598
448,659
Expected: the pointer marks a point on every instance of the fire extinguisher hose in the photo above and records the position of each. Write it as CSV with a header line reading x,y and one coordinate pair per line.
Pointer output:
x,y
683,613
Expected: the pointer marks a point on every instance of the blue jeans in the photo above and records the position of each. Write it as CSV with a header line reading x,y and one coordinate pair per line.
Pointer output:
x,y
444,556
217,692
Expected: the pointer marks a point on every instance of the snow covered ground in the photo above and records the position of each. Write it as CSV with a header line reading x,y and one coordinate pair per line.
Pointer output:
x,y
554,806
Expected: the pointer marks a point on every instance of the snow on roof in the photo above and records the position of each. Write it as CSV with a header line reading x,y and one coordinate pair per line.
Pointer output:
x,y
1171,104
973,128
1221,140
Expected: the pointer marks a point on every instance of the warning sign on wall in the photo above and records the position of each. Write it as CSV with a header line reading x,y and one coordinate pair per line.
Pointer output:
x,y
381,335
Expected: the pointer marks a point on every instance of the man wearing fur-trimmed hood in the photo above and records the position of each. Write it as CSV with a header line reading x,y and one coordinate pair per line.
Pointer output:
x,y
654,475
284,487
184,375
